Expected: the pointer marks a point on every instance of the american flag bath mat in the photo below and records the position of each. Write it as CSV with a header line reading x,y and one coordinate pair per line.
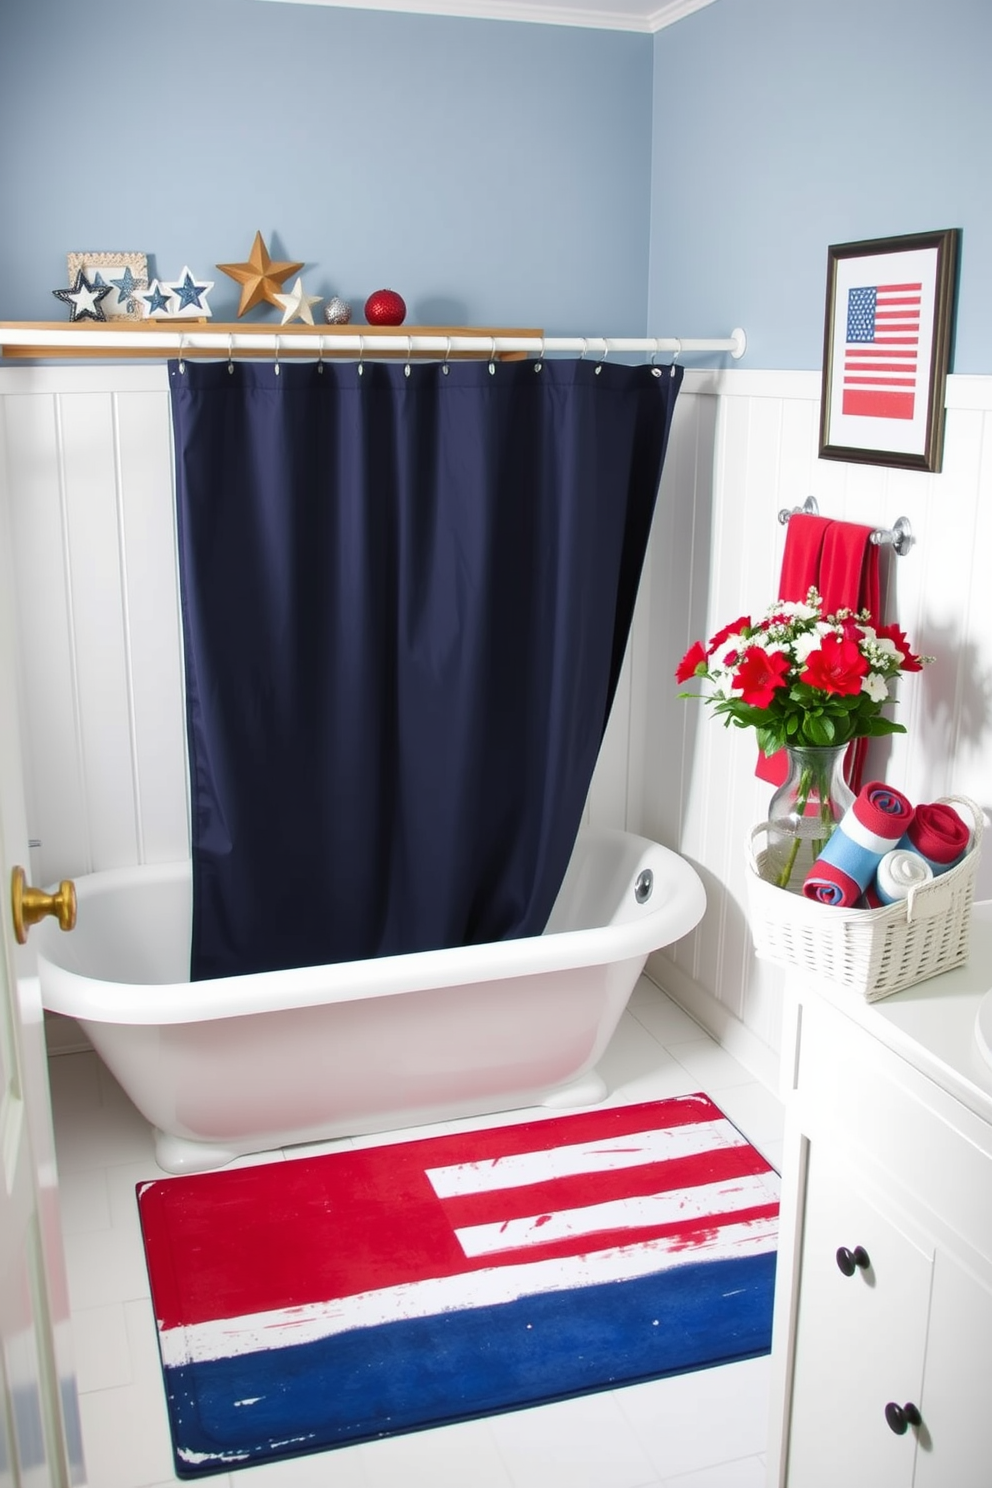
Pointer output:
x,y
321,1301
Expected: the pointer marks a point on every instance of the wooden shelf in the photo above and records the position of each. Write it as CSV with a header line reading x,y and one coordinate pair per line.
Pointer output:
x,y
124,339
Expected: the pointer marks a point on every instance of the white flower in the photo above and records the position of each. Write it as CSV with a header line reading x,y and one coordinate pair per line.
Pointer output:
x,y
792,607
881,652
875,687
808,641
734,645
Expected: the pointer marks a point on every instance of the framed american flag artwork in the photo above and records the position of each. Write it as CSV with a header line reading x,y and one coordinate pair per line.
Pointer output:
x,y
886,349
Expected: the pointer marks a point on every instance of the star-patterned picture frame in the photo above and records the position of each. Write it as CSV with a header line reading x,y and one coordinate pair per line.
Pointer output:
x,y
887,340
124,274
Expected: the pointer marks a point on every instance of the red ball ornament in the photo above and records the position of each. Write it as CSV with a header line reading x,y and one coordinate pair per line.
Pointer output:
x,y
385,307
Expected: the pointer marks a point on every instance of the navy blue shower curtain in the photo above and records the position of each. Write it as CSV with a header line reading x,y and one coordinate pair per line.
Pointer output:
x,y
406,593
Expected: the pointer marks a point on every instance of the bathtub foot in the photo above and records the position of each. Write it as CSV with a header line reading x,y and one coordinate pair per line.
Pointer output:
x,y
586,1090
179,1155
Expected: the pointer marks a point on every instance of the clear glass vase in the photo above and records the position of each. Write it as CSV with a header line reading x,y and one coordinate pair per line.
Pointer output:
x,y
804,812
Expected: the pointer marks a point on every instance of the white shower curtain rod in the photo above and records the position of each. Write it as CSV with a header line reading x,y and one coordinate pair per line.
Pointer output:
x,y
47,339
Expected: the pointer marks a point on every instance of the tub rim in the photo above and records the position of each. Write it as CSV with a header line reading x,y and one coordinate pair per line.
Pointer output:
x,y
681,903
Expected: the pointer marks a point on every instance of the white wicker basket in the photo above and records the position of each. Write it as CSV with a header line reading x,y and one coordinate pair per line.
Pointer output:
x,y
874,951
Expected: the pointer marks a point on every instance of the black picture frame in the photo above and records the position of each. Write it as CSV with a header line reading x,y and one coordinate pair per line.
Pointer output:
x,y
887,339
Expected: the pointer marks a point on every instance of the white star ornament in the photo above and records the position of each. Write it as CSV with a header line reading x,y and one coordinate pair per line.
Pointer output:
x,y
189,297
296,306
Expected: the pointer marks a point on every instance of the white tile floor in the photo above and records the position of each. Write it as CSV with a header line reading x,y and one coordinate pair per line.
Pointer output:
x,y
701,1430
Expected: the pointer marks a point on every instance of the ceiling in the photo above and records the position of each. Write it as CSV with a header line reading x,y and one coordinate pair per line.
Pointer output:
x,y
611,15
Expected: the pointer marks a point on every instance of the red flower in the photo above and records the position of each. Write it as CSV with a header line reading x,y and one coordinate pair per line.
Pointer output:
x,y
691,662
760,675
744,623
910,662
837,667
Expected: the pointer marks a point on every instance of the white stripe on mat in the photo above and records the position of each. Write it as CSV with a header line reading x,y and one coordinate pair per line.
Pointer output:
x,y
676,1206
606,1154
226,1338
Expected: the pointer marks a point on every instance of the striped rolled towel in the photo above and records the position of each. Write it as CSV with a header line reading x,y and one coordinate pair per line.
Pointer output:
x,y
870,828
938,835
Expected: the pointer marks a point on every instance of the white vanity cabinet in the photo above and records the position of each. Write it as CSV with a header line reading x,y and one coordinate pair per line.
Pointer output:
x,y
882,1349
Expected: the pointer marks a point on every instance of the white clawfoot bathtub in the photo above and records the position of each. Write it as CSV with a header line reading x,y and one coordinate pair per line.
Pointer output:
x,y
256,1062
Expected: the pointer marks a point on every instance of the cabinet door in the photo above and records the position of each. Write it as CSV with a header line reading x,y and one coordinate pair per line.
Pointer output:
x,y
860,1338
956,1438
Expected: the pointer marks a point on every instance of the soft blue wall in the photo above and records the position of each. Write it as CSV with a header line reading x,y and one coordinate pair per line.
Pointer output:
x,y
783,126
504,173
493,173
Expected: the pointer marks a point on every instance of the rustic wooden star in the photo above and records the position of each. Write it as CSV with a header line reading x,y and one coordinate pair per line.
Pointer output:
x,y
260,278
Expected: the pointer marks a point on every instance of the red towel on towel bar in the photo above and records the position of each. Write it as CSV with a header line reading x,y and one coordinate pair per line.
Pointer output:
x,y
849,569
801,560
841,560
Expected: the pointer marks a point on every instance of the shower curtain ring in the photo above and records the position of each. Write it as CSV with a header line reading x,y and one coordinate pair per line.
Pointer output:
x,y
320,353
606,352
230,353
585,346
182,364
492,359
676,355
447,353
275,364
540,357
361,356
409,354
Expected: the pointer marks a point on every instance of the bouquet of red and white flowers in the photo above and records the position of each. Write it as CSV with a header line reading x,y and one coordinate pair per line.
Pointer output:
x,y
800,678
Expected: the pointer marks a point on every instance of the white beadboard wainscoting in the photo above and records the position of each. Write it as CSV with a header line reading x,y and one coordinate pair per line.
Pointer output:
x,y
743,448
86,473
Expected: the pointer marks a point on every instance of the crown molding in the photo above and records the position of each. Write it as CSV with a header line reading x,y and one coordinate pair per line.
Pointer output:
x,y
616,15
671,11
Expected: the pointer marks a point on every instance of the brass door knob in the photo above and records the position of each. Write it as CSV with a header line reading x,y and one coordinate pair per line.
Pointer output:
x,y
31,905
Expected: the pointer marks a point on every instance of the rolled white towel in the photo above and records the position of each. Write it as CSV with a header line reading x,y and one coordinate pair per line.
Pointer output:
x,y
898,872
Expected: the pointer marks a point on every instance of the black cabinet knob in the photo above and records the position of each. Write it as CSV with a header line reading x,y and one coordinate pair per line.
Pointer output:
x,y
900,1417
850,1260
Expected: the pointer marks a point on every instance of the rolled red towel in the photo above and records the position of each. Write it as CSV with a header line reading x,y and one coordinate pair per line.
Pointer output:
x,y
881,810
939,835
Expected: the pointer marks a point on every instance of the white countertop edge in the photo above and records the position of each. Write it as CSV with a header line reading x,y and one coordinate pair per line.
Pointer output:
x,y
932,1025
